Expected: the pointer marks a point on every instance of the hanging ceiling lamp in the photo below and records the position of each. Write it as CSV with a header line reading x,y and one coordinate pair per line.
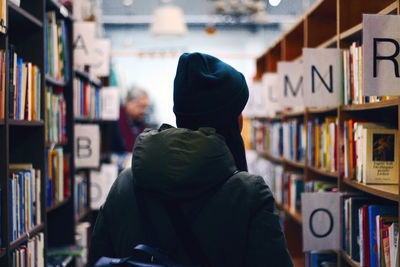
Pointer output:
x,y
168,20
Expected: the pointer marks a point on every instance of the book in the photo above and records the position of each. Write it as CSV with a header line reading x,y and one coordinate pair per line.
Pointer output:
x,y
393,243
382,159
375,210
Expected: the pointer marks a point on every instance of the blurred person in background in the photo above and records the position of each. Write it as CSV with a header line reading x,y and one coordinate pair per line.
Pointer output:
x,y
132,120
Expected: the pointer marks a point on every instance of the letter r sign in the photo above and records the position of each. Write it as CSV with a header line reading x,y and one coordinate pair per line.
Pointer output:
x,y
381,55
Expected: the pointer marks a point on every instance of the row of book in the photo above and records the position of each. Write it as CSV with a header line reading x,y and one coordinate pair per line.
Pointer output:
x,y
370,231
370,152
25,202
57,176
81,195
25,88
294,140
30,253
86,100
322,144
353,89
267,137
56,116
57,56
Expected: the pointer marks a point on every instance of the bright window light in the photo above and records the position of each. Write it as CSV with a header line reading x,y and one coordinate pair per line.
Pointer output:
x,y
274,2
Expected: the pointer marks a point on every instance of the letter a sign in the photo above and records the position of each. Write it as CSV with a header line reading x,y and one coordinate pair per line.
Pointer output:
x,y
87,145
381,53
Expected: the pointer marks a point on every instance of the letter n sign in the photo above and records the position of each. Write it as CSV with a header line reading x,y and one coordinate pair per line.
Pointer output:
x,y
321,220
322,77
87,146
381,54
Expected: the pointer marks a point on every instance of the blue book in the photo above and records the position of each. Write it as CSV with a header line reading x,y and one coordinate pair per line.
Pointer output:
x,y
20,66
355,204
11,208
21,182
373,212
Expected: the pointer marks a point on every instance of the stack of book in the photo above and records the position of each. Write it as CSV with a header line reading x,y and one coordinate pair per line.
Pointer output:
x,y
56,116
370,231
322,145
57,58
30,253
86,100
25,88
25,201
370,152
294,140
293,186
57,176
2,83
81,195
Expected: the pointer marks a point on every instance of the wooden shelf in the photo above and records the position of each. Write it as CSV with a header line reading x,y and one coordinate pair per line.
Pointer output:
x,y
348,259
25,123
352,33
49,144
322,111
323,172
293,114
54,82
390,192
329,43
391,9
269,157
87,120
371,106
83,214
295,164
16,243
84,75
19,16
296,216
58,205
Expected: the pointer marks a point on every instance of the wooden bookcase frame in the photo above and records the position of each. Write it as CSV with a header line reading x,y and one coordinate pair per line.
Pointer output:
x,y
331,23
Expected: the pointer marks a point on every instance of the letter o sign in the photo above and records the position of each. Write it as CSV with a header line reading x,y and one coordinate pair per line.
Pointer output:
x,y
324,232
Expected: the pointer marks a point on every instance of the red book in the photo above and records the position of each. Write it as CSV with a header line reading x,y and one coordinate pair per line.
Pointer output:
x,y
365,229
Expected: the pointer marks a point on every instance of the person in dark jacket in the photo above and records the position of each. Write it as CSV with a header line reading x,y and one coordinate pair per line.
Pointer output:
x,y
202,161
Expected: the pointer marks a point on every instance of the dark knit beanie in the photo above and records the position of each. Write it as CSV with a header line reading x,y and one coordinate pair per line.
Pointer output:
x,y
210,93
207,86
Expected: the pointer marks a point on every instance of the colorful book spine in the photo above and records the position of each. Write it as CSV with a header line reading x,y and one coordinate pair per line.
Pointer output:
x,y
24,88
56,114
57,176
86,100
56,47
24,199
30,253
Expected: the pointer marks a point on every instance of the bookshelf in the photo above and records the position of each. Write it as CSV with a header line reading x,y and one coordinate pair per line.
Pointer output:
x,y
329,24
26,141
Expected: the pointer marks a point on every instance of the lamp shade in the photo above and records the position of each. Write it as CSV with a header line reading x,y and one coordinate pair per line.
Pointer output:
x,y
168,20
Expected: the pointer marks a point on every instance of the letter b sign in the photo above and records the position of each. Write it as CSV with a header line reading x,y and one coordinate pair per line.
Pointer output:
x,y
87,146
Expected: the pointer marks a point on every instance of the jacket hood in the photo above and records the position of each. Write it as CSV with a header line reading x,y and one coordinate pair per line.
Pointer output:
x,y
181,163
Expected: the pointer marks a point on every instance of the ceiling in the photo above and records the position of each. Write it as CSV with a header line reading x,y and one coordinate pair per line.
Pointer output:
x,y
140,11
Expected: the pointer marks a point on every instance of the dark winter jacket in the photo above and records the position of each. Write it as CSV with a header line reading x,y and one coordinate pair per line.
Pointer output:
x,y
235,226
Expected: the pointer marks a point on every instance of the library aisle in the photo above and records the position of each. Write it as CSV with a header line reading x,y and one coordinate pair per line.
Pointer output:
x,y
81,79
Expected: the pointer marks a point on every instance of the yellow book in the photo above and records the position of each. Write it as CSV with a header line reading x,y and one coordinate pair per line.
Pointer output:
x,y
328,144
317,145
